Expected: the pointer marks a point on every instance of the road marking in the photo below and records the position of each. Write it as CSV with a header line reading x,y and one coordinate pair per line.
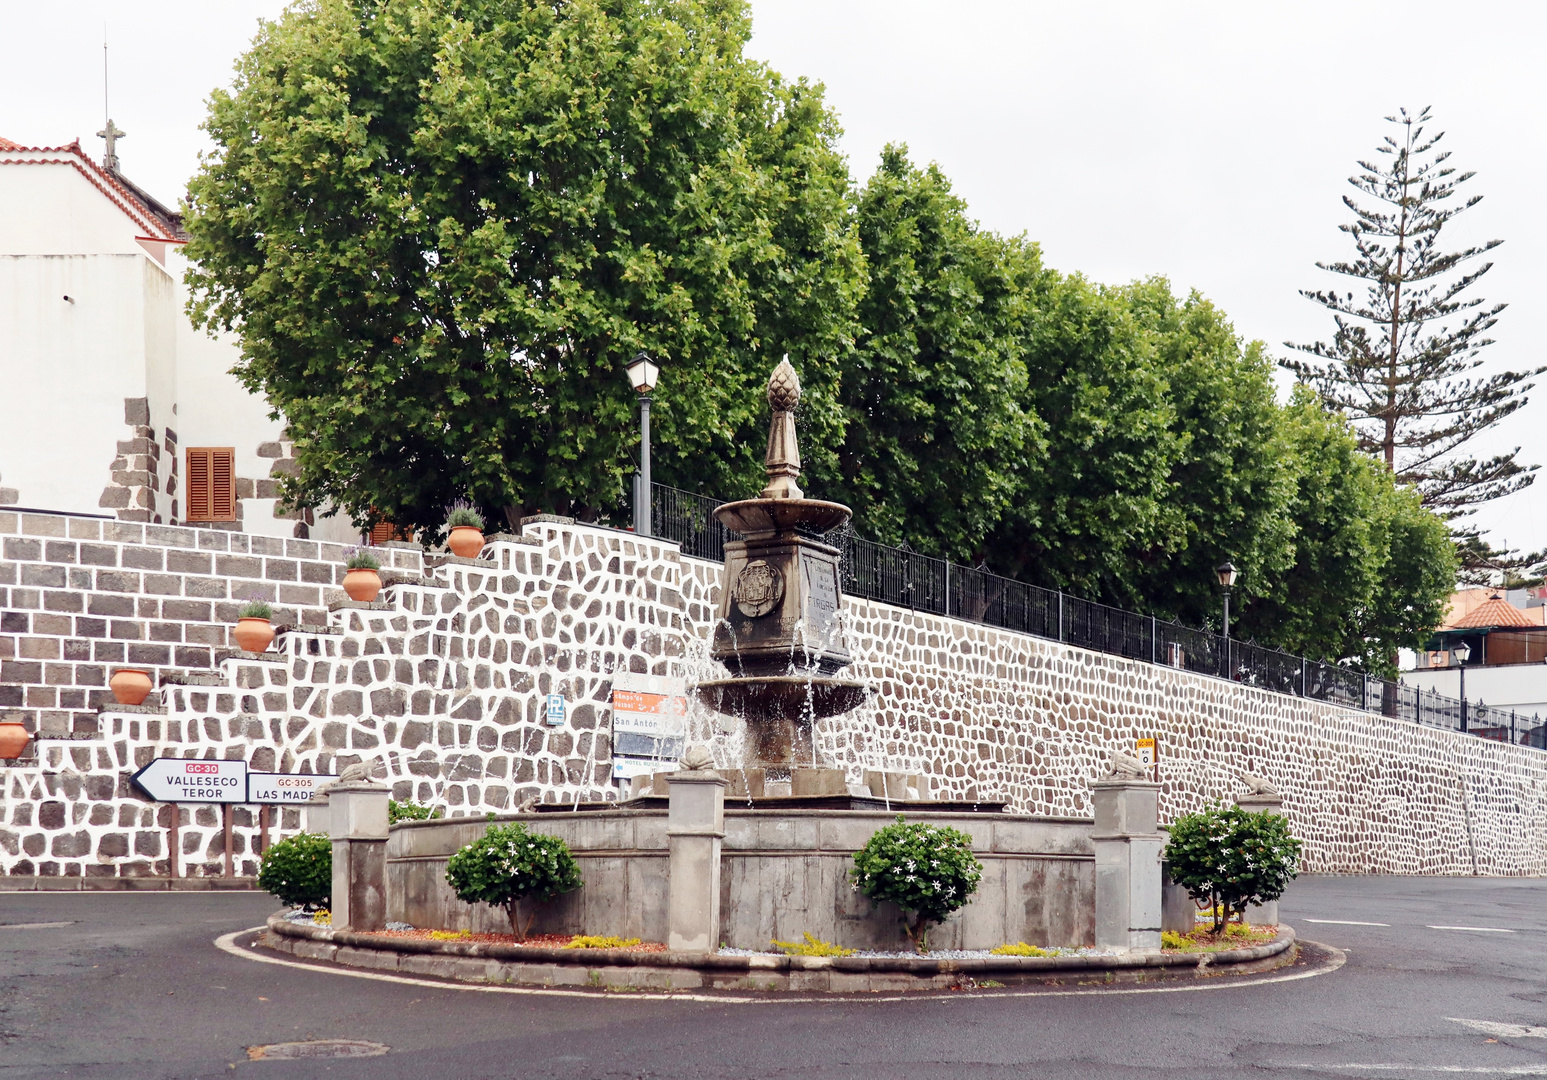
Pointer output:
x,y
1345,922
227,943
1475,929
1503,1031
34,925
1475,1070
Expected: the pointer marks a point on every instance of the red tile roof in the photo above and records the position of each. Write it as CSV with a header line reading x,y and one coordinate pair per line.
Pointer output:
x,y
157,221
1495,611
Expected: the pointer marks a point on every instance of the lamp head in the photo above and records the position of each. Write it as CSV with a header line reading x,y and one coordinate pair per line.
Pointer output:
x,y
643,373
1462,652
1227,574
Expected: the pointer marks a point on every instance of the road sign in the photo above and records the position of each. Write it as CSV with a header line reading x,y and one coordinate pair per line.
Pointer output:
x,y
1147,752
194,780
555,710
275,787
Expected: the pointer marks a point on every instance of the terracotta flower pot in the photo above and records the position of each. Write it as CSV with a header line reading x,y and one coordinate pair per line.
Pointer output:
x,y
465,542
254,635
13,739
362,585
130,685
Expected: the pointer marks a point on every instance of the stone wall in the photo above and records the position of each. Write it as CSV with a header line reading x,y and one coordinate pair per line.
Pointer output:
x,y
80,597
444,678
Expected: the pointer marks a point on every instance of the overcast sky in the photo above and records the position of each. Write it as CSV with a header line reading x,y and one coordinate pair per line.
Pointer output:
x,y
1207,142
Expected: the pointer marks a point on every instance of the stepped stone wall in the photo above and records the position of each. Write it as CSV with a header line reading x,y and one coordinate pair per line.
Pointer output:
x,y
444,678
80,597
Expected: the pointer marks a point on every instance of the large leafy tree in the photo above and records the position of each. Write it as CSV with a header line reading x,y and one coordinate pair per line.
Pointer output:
x,y
1097,491
1403,361
1372,568
1229,489
933,392
442,226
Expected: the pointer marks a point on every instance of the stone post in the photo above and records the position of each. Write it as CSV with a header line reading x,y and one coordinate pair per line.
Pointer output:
x,y
1262,914
359,832
695,825
1128,845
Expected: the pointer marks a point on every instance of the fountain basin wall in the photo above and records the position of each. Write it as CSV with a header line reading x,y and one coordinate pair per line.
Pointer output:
x,y
782,874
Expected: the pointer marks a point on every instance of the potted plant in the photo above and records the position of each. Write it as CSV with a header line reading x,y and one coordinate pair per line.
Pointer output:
x,y
13,738
362,582
130,686
466,539
254,631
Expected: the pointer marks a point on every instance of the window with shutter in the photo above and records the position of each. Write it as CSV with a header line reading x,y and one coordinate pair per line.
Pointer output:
x,y
209,485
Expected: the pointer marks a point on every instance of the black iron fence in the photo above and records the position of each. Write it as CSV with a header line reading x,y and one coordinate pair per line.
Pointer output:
x,y
906,578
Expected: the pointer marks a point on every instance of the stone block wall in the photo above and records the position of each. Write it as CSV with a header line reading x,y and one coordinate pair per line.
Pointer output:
x,y
444,679
80,597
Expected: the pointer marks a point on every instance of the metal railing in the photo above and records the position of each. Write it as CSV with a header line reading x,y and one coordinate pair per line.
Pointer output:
x,y
896,575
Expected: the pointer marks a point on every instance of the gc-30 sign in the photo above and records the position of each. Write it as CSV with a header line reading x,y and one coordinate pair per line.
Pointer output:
x,y
194,780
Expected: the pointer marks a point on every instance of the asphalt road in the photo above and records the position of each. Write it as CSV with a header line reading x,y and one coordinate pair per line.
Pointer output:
x,y
134,987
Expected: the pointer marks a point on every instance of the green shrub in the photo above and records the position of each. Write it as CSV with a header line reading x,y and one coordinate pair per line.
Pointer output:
x,y
812,946
256,609
299,870
464,515
507,865
926,869
1229,858
409,811
360,559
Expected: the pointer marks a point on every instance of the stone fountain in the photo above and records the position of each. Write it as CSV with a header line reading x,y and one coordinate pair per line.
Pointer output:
x,y
778,630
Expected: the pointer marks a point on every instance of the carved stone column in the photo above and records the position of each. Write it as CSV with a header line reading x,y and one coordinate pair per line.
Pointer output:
x,y
1262,914
695,825
1128,845
359,833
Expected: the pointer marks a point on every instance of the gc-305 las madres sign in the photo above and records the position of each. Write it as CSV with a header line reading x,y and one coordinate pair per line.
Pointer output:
x,y
277,787
194,780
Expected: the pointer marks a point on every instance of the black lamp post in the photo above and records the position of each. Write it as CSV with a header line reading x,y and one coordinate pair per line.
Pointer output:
x,y
642,376
1227,573
1462,653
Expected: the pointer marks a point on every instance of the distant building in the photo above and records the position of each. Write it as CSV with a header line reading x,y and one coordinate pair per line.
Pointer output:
x,y
1505,634
115,404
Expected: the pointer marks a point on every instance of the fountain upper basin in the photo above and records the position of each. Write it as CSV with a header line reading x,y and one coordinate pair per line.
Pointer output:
x,y
782,697
765,517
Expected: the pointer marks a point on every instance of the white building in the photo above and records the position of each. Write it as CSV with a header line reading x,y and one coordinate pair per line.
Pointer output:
x,y
115,404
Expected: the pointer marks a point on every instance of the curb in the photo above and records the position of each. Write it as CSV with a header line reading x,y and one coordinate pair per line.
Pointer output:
x,y
126,884
625,969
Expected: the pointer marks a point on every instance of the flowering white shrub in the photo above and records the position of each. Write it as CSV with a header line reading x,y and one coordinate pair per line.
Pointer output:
x,y
507,865
926,869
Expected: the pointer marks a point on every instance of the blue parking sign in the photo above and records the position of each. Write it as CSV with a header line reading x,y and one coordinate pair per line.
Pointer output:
x,y
555,709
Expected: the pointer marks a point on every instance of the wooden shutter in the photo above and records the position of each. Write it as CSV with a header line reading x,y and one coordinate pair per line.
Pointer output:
x,y
209,485
196,486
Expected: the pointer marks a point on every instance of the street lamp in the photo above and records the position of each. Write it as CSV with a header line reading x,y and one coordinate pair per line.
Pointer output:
x,y
1462,653
642,375
1227,573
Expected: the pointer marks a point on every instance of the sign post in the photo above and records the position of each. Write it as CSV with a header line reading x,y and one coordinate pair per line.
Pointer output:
x,y
228,782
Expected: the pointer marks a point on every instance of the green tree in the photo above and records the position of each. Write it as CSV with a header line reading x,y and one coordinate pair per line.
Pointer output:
x,y
1402,362
1097,490
442,226
1229,486
1372,568
933,391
